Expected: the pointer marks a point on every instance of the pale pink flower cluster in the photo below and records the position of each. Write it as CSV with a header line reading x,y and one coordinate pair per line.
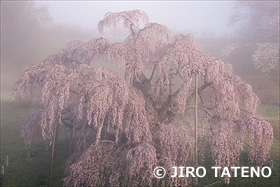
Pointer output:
x,y
266,57
31,131
261,138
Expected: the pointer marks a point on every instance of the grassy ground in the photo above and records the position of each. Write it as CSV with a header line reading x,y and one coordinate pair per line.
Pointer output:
x,y
24,171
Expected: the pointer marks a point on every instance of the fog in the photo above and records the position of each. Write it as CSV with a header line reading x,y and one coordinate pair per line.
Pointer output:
x,y
31,31
139,111
210,17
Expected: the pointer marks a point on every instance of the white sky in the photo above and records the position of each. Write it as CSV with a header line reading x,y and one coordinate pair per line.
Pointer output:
x,y
196,16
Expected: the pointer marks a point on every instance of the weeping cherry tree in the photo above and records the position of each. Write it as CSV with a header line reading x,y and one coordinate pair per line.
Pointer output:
x,y
124,123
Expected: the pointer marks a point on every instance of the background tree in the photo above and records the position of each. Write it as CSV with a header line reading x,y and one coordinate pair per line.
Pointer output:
x,y
258,19
259,25
127,122
20,21
28,35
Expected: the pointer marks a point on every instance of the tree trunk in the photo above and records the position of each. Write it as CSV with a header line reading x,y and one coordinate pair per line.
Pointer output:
x,y
195,118
53,154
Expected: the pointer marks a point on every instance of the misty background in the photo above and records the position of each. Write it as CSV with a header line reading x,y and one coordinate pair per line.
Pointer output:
x,y
196,17
31,31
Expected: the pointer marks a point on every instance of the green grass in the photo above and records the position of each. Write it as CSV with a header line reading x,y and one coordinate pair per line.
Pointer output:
x,y
24,171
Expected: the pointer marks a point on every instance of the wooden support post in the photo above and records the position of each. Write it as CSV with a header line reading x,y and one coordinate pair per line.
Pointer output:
x,y
7,160
195,118
47,145
53,154
71,139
